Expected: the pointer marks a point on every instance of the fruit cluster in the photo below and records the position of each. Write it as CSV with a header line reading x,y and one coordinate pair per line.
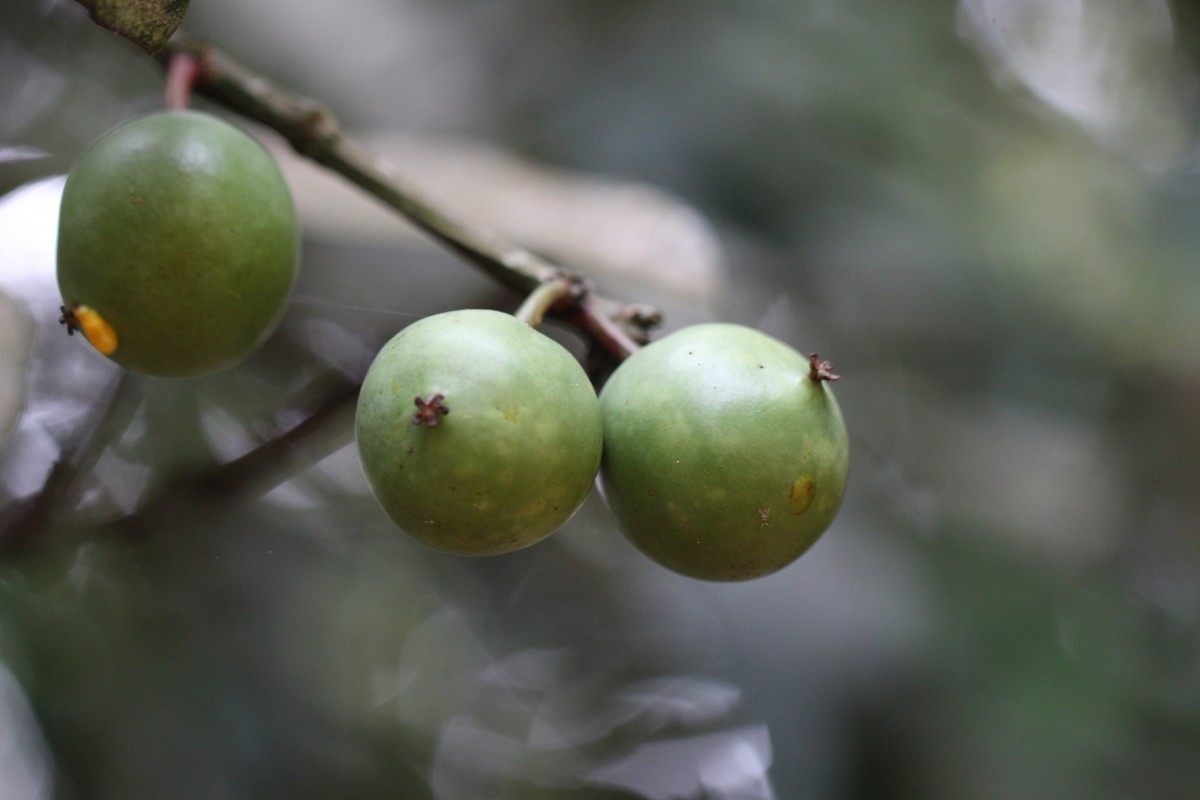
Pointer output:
x,y
721,451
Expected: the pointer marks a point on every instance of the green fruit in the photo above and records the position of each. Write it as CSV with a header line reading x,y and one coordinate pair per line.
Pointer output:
x,y
178,232
478,434
725,453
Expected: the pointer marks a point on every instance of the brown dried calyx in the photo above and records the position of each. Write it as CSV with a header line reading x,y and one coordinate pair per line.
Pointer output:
x,y
430,413
819,370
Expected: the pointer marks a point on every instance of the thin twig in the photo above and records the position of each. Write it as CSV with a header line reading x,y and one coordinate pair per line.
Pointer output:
x,y
603,330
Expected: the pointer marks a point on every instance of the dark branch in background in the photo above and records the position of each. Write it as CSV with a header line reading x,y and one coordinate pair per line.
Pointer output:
x,y
23,520
324,404
316,134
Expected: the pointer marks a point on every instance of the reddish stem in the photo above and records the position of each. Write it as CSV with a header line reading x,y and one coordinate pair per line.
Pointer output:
x,y
182,72
606,332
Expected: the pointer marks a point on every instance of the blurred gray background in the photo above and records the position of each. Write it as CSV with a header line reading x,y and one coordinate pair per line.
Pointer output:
x,y
983,212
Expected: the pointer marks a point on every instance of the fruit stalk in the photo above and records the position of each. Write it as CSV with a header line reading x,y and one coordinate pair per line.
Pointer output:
x,y
182,71
547,294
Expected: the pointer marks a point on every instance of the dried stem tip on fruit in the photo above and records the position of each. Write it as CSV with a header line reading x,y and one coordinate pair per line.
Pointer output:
x,y
428,412
819,370
69,319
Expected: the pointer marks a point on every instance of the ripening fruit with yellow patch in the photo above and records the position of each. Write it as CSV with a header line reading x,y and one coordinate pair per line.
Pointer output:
x,y
177,244
725,452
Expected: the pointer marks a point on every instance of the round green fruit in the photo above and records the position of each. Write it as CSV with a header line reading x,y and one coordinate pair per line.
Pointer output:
x,y
725,453
478,434
178,240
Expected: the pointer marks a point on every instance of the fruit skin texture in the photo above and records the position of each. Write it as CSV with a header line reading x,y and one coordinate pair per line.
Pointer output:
x,y
514,457
178,229
723,460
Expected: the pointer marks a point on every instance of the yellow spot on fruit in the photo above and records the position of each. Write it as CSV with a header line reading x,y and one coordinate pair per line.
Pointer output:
x,y
96,329
800,496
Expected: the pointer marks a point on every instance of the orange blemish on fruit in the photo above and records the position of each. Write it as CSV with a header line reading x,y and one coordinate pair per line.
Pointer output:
x,y
800,496
96,329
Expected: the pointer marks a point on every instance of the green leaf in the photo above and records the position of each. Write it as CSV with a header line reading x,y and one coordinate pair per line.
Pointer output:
x,y
147,23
